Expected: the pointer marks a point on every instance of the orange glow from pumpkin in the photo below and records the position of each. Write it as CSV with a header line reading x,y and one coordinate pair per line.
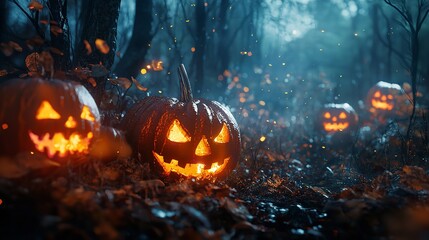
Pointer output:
x,y
61,145
71,123
86,114
198,170
46,111
203,148
223,136
327,115
335,127
342,115
176,133
381,105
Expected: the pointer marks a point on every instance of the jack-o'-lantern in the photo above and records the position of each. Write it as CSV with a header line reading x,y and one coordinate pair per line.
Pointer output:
x,y
388,101
189,137
383,96
338,117
51,117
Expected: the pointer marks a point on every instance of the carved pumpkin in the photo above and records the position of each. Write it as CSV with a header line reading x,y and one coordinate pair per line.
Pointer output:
x,y
190,137
388,100
382,96
338,117
56,118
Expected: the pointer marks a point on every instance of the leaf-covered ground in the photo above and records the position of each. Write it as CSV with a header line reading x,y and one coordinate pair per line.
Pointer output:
x,y
282,189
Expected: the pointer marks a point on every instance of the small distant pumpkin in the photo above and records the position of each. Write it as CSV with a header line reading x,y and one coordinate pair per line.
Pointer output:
x,y
387,100
186,136
338,118
52,117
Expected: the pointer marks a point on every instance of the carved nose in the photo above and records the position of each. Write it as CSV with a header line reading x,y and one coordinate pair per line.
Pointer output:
x,y
71,123
334,119
203,148
384,98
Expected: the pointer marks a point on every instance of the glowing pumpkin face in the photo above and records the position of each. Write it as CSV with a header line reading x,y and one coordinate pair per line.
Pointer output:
x,y
383,96
338,117
189,137
56,118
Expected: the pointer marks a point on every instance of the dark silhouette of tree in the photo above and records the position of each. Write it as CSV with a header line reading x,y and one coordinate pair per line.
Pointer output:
x,y
100,22
413,25
133,58
60,41
100,19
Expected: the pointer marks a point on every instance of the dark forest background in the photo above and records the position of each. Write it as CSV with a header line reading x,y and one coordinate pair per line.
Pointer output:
x,y
275,63
288,53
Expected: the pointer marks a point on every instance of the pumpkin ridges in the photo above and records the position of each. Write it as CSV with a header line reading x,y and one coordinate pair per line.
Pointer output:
x,y
22,105
149,125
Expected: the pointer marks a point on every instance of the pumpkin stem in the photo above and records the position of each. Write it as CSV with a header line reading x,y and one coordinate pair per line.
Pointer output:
x,y
185,85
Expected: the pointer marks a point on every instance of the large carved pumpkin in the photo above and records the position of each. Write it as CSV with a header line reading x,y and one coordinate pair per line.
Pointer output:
x,y
190,137
56,118
338,117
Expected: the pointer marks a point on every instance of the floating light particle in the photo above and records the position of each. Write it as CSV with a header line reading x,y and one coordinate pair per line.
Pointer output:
x,y
283,64
143,71
148,67
242,100
356,34
4,126
270,65
249,54
262,138
192,49
246,89
323,30
187,20
262,103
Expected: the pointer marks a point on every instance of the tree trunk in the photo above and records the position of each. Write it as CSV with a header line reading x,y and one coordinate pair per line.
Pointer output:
x,y
133,58
200,45
224,57
100,22
61,41
3,20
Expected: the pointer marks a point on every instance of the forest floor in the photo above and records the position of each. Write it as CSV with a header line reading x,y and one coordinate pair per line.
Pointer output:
x,y
304,189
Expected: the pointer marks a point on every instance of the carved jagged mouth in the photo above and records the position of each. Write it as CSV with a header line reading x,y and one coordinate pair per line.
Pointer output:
x,y
191,169
60,144
381,105
333,127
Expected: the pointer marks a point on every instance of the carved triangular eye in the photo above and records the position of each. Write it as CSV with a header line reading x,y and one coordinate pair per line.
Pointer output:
x,y
46,111
223,136
86,114
177,133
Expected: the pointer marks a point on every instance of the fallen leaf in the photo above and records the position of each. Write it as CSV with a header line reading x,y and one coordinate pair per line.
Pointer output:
x,y
15,46
6,49
92,81
32,62
56,51
56,30
138,85
122,82
87,47
34,42
35,5
102,46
